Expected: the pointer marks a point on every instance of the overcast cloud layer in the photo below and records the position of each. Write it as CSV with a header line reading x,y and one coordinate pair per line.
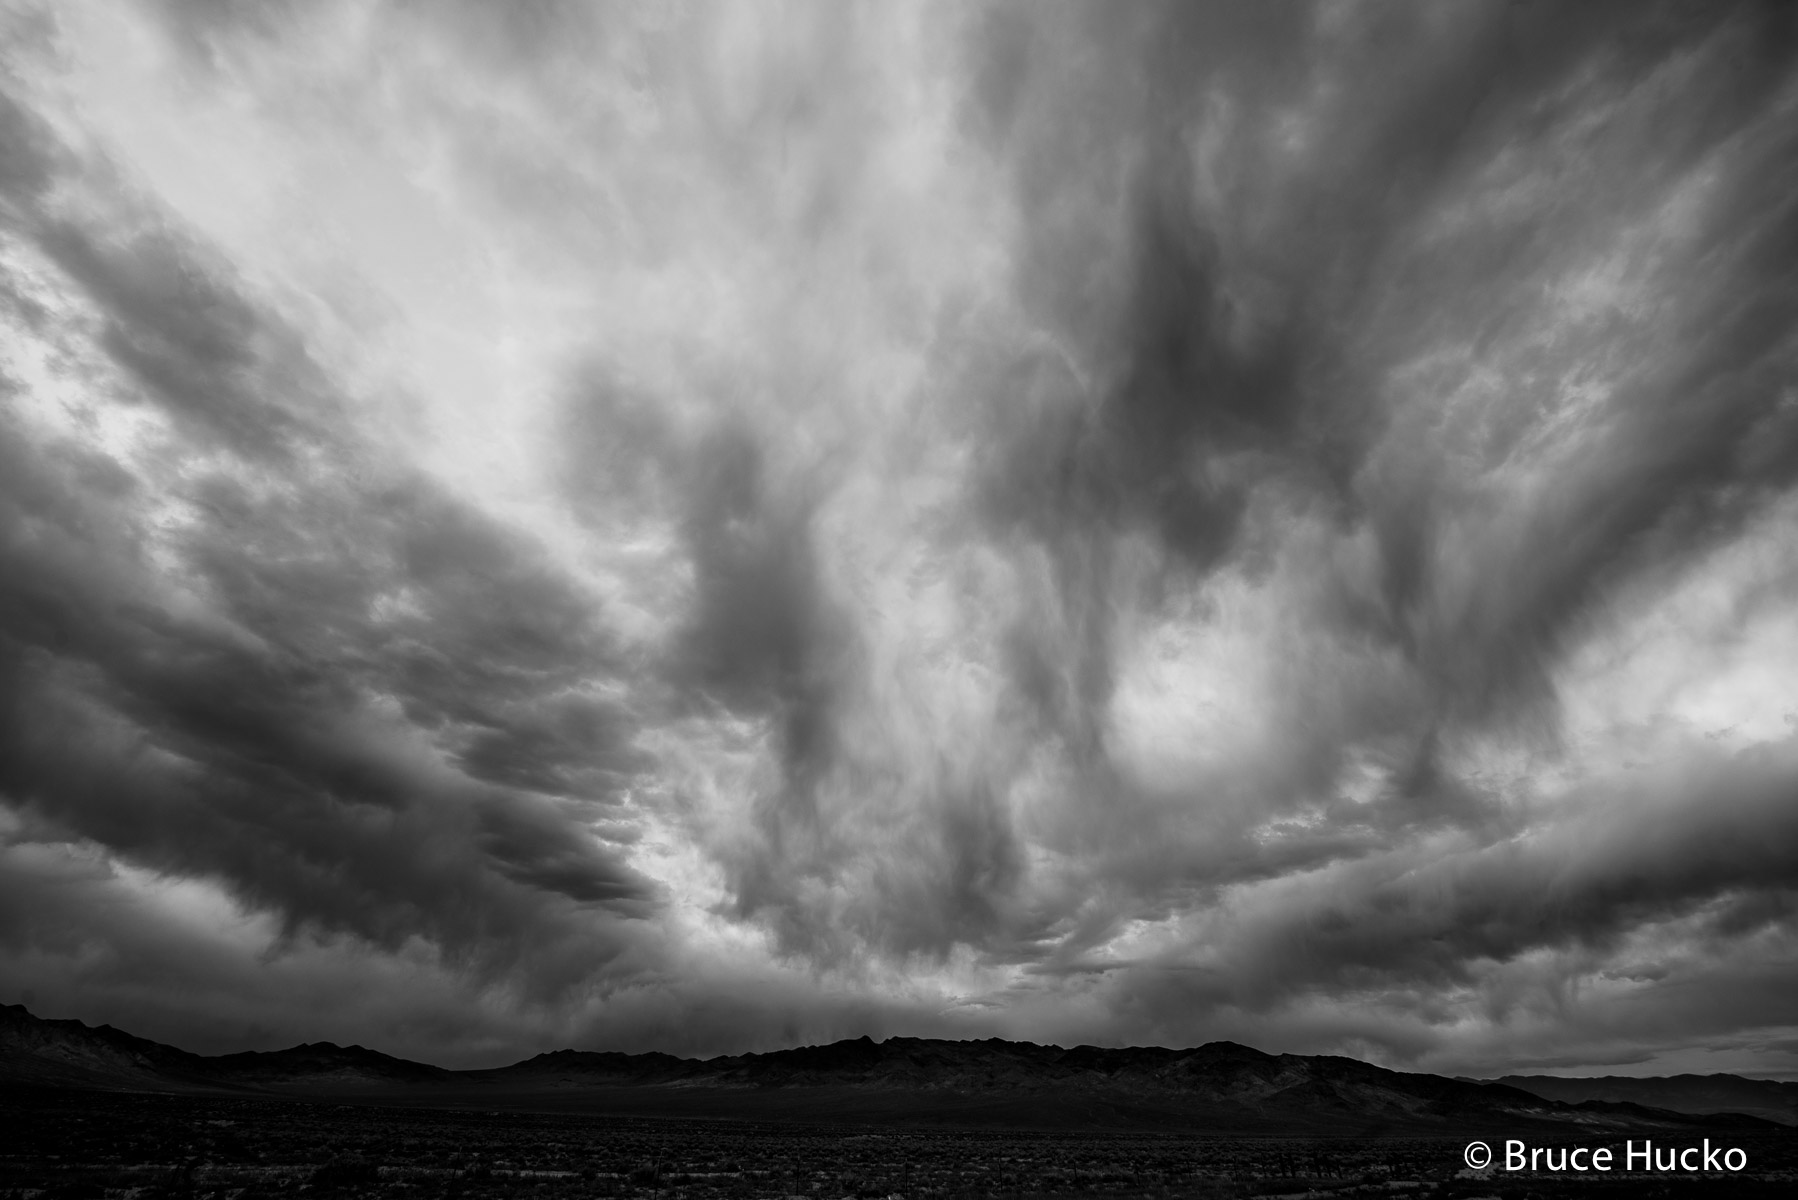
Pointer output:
x,y
712,527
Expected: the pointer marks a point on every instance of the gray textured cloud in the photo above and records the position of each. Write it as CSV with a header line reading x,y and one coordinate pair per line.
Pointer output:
x,y
257,713
1255,520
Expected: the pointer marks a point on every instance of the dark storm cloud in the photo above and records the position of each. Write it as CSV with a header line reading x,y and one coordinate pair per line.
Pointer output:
x,y
1107,523
279,741
1245,301
1638,858
1246,323
763,639
192,344
1255,325
28,153
759,622
255,753
1406,925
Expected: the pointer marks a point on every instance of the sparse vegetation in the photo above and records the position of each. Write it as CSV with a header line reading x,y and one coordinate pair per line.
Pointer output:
x,y
126,1146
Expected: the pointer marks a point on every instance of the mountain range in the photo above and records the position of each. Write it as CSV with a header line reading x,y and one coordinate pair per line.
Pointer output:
x,y
1220,1087
1696,1094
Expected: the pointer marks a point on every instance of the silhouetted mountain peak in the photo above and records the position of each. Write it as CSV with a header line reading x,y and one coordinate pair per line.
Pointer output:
x,y
1218,1086
320,1059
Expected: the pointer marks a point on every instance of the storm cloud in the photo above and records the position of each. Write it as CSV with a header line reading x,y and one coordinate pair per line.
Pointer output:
x,y
706,527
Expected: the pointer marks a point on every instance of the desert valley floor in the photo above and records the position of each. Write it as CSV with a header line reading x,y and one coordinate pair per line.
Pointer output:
x,y
65,1144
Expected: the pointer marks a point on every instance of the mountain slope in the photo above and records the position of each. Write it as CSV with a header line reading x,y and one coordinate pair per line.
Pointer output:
x,y
73,1054
1694,1094
1219,1087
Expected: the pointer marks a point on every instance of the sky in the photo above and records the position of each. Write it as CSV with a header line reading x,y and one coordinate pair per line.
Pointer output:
x,y
710,527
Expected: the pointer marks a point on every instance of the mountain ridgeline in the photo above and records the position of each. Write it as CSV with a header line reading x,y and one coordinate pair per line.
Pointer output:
x,y
1220,1087
1697,1094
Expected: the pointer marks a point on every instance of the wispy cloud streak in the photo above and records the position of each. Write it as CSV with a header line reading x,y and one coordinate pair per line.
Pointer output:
x,y
712,526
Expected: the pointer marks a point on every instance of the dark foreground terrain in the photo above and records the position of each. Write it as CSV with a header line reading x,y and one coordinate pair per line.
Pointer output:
x,y
62,1143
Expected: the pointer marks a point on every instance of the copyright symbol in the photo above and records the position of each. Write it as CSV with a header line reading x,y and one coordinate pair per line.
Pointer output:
x,y
1478,1155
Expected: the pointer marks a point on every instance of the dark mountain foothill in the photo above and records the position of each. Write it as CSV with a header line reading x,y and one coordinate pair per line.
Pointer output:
x,y
1220,1088
1698,1094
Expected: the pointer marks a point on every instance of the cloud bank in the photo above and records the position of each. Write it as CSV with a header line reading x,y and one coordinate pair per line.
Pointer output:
x,y
706,527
